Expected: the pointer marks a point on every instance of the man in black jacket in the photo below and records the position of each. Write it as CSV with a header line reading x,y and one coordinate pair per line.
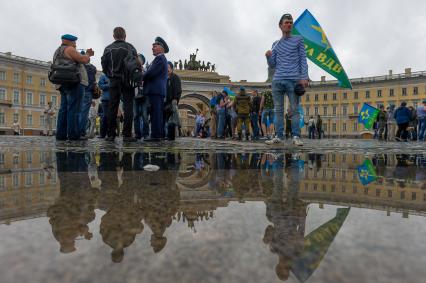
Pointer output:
x,y
174,90
113,67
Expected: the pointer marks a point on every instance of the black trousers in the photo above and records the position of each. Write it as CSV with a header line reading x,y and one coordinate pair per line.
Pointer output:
x,y
402,131
117,91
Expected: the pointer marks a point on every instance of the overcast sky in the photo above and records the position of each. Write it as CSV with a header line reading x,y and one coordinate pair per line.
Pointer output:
x,y
369,37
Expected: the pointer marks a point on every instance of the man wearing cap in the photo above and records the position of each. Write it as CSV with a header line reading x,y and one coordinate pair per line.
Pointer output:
x,y
113,67
174,90
71,95
155,87
421,115
288,57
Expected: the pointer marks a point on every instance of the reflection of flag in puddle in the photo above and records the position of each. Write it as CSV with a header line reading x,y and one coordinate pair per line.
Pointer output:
x,y
317,244
366,172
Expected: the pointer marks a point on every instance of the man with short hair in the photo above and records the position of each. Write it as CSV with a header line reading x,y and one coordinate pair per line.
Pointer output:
x,y
174,90
67,126
254,115
87,97
114,68
421,116
155,87
288,57
49,112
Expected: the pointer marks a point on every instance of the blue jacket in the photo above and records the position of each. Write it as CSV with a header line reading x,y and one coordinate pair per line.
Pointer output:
x,y
155,78
402,115
104,86
91,75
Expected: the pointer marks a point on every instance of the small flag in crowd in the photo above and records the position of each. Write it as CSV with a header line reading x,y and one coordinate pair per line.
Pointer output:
x,y
366,172
368,115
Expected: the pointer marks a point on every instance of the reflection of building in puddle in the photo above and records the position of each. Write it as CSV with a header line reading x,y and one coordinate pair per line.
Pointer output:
x,y
28,184
337,181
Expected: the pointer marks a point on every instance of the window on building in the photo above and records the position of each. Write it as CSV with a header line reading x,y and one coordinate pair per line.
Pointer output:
x,y
29,79
2,183
345,110
334,127
16,95
15,180
344,127
391,92
415,90
54,100
15,117
334,96
316,110
2,75
29,120
413,196
379,93
28,178
389,193
325,110
42,122
325,96
2,94
29,157
42,99
307,97
324,127
355,109
16,158
345,95
42,82
307,111
404,91
316,97
355,95
16,77
42,179
1,158
367,94
402,195
2,118
29,100
355,127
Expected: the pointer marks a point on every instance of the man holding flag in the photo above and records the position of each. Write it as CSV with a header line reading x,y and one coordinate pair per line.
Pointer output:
x,y
288,58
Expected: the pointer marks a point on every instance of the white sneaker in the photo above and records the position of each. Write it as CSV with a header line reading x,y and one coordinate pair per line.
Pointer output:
x,y
297,141
275,140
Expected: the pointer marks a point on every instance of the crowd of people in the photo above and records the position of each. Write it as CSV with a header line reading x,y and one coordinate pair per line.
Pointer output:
x,y
143,98
401,124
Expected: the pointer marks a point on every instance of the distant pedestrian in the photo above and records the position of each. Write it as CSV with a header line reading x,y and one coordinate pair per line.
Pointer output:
x,y
381,122
421,116
391,123
104,86
311,127
49,113
318,126
16,128
402,116
93,114
174,90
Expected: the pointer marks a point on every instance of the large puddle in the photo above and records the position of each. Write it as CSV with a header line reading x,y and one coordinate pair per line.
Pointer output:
x,y
212,217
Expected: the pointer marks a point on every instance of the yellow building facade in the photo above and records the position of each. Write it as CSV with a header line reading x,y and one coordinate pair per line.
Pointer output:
x,y
339,108
24,93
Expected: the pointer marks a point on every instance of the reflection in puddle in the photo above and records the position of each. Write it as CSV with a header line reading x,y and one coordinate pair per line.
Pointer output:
x,y
71,188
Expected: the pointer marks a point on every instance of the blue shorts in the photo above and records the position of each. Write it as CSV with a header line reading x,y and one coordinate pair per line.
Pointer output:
x,y
268,117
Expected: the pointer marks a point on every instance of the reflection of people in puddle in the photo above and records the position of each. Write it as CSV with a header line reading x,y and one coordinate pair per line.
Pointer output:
x,y
160,197
123,219
285,236
74,209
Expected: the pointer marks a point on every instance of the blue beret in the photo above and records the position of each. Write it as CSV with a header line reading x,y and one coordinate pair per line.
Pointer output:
x,y
159,40
242,88
69,37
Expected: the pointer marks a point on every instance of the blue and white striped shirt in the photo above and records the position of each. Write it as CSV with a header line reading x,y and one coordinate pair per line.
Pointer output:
x,y
289,59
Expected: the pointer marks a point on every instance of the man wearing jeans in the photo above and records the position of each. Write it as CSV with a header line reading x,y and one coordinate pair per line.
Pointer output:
x,y
421,115
288,57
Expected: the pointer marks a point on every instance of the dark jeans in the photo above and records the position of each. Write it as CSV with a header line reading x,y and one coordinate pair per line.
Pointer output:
x,y
402,131
255,124
311,132
319,131
104,118
86,102
157,108
128,94
422,128
67,125
141,122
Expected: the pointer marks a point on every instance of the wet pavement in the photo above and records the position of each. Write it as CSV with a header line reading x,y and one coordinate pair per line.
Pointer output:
x,y
215,211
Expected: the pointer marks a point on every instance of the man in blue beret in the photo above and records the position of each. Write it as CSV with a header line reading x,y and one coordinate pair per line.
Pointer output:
x,y
154,87
68,116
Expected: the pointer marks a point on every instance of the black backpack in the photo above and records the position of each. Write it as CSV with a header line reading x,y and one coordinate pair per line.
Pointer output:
x,y
132,70
63,73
